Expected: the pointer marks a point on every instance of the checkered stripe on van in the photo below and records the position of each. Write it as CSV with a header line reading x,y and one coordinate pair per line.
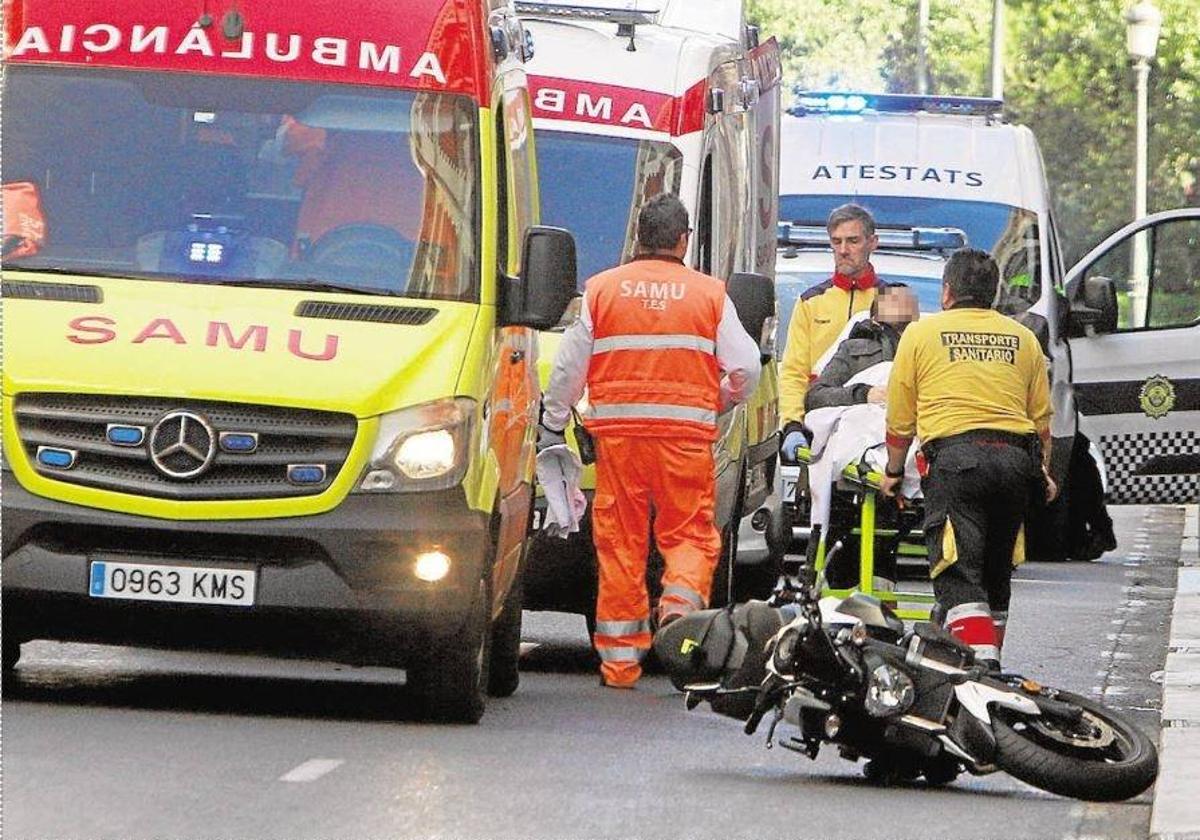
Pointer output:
x,y
1123,454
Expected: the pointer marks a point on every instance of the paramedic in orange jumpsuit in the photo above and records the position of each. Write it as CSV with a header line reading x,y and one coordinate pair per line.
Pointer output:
x,y
661,351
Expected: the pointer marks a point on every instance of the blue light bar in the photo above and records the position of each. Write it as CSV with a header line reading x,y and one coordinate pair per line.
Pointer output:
x,y
890,238
922,239
588,11
846,102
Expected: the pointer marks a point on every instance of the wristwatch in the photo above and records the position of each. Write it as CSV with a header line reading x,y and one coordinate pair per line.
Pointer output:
x,y
891,474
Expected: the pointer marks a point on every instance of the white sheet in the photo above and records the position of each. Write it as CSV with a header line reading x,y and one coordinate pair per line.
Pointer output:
x,y
843,435
558,470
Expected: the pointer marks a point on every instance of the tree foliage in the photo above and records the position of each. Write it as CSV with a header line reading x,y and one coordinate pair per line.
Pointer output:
x,y
1067,76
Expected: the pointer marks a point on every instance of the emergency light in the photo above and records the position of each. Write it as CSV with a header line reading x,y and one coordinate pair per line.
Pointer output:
x,y
836,102
208,248
586,11
813,235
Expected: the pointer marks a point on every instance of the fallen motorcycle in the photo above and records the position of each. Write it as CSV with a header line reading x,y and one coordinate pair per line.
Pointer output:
x,y
914,704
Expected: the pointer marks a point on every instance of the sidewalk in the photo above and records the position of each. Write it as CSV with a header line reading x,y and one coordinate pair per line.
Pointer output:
x,y
1176,814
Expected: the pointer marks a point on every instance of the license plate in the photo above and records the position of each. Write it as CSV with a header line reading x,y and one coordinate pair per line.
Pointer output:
x,y
179,584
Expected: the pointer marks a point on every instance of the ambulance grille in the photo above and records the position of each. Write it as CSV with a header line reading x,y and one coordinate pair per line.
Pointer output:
x,y
411,316
66,292
104,442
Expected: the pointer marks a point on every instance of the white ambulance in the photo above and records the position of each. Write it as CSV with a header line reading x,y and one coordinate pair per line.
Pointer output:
x,y
672,96
1121,328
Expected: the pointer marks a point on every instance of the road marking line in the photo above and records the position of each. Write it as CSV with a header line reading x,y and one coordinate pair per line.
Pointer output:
x,y
312,770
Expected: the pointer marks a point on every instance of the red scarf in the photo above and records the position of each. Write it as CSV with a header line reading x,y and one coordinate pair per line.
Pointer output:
x,y
866,280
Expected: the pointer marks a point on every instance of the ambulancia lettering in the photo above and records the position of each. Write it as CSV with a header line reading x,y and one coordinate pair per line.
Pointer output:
x,y
252,338
99,38
593,108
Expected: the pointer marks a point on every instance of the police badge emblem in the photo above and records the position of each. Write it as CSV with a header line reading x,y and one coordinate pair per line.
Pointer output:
x,y
1157,396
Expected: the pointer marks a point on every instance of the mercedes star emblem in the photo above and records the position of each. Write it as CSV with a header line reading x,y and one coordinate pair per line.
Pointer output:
x,y
182,444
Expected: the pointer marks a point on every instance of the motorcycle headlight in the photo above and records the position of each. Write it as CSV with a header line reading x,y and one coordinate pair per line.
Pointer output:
x,y
890,691
783,655
420,448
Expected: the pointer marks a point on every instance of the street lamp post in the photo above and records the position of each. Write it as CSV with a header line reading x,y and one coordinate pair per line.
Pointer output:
x,y
1143,24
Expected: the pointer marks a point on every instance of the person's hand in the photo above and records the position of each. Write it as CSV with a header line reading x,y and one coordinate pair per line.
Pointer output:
x,y
548,438
890,485
877,394
1051,487
791,437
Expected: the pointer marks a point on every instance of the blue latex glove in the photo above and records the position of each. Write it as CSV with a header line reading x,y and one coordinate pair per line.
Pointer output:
x,y
791,442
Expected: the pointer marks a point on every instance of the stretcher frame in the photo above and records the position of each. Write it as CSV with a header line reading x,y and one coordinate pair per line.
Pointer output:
x,y
864,482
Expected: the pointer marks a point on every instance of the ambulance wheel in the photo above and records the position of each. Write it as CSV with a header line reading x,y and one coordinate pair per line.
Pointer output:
x,y
450,682
504,674
12,653
722,585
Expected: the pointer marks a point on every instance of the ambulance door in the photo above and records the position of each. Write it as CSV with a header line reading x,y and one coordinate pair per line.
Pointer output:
x,y
511,408
1134,327
719,232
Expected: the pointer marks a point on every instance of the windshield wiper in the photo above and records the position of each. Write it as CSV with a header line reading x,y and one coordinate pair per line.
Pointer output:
x,y
313,285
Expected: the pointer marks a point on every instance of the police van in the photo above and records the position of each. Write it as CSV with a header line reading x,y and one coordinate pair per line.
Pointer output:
x,y
674,96
269,374
928,161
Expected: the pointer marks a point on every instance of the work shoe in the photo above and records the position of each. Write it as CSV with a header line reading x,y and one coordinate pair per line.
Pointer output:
x,y
606,684
1101,542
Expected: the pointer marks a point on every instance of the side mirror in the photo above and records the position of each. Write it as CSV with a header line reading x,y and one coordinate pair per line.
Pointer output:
x,y
539,297
753,296
1095,306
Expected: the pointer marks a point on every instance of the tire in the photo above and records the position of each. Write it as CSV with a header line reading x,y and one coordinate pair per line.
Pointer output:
x,y
450,683
722,585
723,590
504,674
1038,757
12,653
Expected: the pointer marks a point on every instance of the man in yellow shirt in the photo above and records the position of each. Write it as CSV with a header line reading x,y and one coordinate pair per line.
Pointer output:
x,y
824,310
971,384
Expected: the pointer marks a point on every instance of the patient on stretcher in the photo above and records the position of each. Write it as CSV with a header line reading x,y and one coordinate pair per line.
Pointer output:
x,y
845,409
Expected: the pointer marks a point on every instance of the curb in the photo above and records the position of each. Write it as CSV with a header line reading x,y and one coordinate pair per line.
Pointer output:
x,y
1176,810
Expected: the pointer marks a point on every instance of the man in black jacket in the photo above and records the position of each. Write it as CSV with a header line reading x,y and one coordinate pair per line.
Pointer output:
x,y
870,341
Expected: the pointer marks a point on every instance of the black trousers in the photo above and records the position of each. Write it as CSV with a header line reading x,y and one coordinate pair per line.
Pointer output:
x,y
977,494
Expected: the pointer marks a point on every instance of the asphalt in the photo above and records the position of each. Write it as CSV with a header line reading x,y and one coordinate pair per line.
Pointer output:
x,y
102,742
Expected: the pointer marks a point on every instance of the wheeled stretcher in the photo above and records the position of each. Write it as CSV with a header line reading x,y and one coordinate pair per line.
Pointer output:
x,y
877,529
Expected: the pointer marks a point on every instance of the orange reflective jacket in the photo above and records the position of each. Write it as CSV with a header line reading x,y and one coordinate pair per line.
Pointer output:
x,y
653,371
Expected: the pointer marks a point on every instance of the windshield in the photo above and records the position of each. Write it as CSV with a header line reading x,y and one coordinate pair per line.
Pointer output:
x,y
233,180
595,187
1010,234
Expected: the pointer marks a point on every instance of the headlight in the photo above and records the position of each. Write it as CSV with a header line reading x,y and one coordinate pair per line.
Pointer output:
x,y
783,655
421,448
890,691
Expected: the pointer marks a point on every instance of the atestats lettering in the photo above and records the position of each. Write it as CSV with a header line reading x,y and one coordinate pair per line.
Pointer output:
x,y
897,172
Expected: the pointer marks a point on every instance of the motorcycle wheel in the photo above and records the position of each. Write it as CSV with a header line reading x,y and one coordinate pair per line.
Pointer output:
x,y
1104,758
